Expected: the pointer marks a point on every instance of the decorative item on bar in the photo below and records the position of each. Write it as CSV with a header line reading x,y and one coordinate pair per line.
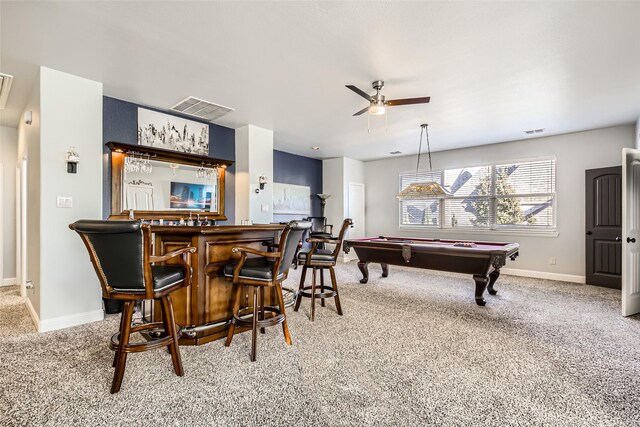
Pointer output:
x,y
421,190
323,201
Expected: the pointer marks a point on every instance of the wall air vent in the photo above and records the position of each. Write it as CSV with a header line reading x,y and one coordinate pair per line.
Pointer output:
x,y
201,109
5,87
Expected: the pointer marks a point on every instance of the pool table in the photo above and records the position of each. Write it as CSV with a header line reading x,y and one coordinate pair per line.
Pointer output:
x,y
483,260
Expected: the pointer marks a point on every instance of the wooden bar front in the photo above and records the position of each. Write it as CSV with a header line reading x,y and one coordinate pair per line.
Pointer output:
x,y
205,308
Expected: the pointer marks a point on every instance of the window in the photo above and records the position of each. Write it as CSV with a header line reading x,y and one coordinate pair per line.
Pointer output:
x,y
517,195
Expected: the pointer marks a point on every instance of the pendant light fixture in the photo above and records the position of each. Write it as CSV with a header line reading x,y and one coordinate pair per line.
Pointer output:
x,y
423,190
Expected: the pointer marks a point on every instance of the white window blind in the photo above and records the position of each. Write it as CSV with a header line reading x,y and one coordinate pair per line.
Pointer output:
x,y
518,195
525,194
470,204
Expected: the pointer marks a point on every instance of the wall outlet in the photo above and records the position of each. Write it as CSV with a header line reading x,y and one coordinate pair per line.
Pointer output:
x,y
64,202
29,284
552,260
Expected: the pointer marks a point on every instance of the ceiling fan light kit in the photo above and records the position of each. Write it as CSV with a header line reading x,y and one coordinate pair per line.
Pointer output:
x,y
377,109
378,103
423,190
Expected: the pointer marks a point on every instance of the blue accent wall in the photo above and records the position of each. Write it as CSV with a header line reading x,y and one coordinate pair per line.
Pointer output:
x,y
298,170
120,123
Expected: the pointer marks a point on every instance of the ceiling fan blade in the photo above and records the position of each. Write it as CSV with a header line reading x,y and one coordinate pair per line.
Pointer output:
x,y
364,110
408,101
359,92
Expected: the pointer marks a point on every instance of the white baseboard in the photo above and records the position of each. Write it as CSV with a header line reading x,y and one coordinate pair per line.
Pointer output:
x,y
544,275
63,322
8,281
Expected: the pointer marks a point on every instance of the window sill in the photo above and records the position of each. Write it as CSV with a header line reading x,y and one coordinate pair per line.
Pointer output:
x,y
459,231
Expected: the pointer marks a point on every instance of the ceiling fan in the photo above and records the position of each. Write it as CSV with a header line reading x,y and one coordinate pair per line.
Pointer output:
x,y
377,102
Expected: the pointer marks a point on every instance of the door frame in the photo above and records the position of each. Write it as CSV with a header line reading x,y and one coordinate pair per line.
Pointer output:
x,y
350,256
630,194
21,226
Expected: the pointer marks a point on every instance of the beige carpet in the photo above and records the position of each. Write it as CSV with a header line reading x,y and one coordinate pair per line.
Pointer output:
x,y
412,349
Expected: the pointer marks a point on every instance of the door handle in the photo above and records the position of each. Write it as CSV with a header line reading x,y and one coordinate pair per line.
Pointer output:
x,y
618,239
589,233
631,239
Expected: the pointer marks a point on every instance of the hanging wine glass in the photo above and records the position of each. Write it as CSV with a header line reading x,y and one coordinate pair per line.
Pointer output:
x,y
201,173
146,166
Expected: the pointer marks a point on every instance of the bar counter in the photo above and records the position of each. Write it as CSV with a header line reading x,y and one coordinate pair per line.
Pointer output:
x,y
204,309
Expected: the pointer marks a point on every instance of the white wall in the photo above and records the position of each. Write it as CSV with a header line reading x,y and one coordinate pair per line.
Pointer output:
x,y
8,158
638,134
254,157
71,110
337,173
67,112
575,153
333,183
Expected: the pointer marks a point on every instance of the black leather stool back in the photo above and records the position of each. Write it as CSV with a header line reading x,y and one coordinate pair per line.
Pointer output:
x,y
290,244
118,246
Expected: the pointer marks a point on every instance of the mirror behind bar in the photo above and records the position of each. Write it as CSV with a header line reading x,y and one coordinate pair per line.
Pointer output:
x,y
175,185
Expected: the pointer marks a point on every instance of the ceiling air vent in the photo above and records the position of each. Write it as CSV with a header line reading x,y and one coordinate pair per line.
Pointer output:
x,y
201,109
5,87
533,131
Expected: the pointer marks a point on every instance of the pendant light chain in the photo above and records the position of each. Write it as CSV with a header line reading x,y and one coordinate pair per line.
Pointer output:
x,y
419,151
423,129
426,127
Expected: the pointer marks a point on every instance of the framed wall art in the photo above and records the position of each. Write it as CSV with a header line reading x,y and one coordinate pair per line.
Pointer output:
x,y
291,199
174,133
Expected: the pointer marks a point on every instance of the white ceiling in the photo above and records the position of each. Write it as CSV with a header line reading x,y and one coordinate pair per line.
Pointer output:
x,y
492,70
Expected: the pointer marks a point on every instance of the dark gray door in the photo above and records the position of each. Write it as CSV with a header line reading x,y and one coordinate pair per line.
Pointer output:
x,y
604,227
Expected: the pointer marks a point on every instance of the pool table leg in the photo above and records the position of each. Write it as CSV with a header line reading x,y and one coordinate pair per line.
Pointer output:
x,y
363,266
492,280
385,269
481,284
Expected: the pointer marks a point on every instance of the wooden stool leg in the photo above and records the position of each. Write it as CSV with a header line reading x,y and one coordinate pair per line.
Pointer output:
x,y
322,286
172,330
254,326
285,328
125,331
334,282
261,298
115,357
299,296
236,310
313,295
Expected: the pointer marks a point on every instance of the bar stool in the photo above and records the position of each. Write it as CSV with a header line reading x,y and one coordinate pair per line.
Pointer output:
x,y
267,270
120,252
320,259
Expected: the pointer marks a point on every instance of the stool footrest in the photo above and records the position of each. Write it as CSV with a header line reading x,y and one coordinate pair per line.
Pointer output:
x,y
144,346
305,292
276,319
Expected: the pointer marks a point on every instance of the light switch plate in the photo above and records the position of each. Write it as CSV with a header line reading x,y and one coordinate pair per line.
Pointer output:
x,y
265,207
64,202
